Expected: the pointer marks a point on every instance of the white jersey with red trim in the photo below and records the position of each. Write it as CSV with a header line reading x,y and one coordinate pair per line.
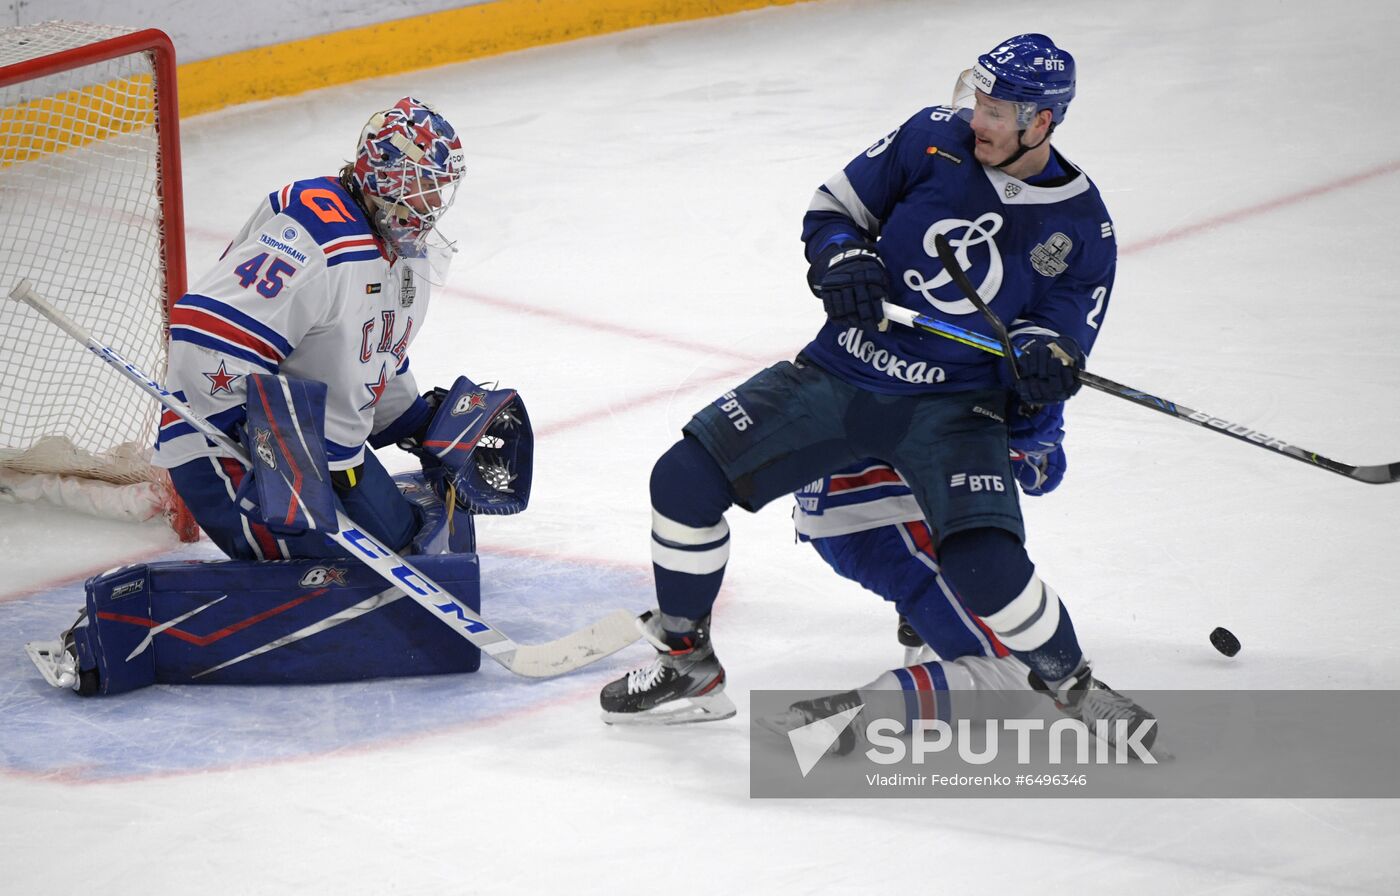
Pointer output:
x,y
865,496
304,290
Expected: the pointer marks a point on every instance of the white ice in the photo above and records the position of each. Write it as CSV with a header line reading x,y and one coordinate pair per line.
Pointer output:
x,y
630,249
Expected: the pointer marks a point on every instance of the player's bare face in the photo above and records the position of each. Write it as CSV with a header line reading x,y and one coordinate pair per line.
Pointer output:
x,y
994,126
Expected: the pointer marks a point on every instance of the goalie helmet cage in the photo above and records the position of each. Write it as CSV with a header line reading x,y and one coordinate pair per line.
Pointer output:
x,y
91,213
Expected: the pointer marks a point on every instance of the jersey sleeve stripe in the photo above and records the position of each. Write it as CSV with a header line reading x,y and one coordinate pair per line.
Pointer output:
x,y
190,324
865,479
170,433
172,426
340,453
840,196
200,338
358,248
236,318
352,256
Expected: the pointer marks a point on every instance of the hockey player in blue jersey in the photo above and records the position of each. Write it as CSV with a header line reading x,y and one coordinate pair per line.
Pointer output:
x,y
1032,233
329,281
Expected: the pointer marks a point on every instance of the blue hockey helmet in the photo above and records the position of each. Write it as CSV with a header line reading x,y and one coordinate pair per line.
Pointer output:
x,y
1028,70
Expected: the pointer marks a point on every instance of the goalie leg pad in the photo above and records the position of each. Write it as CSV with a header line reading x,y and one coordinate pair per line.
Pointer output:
x,y
290,622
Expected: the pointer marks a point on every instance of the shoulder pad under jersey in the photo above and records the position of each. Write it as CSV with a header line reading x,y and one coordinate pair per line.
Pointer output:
x,y
327,213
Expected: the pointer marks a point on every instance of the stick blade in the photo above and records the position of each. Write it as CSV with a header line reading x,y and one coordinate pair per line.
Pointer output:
x,y
1378,474
574,651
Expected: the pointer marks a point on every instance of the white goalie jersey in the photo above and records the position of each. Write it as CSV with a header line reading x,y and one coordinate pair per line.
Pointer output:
x,y
305,291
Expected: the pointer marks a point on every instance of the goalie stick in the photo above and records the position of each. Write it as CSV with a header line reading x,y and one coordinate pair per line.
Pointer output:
x,y
587,645
1372,474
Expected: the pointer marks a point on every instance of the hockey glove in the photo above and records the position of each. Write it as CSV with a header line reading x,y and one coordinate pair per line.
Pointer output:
x,y
1049,369
851,281
1039,473
1035,437
481,444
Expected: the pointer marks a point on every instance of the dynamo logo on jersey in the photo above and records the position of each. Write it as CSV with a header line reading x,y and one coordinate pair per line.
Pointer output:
x,y
976,250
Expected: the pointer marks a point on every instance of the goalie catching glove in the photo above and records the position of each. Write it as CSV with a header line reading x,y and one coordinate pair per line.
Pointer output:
x,y
479,446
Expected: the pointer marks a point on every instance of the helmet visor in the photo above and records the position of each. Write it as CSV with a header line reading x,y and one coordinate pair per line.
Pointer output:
x,y
972,92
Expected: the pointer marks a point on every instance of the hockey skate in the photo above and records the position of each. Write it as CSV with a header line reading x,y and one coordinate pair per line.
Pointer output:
x,y
57,661
683,684
915,650
816,711
1083,697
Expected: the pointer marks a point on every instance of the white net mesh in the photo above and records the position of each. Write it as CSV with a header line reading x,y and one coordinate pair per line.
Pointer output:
x,y
81,219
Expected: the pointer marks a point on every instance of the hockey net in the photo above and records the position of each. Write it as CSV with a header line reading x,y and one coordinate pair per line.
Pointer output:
x,y
91,215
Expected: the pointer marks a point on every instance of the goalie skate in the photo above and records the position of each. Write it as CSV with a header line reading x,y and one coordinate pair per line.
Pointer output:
x,y
683,684
58,666
57,660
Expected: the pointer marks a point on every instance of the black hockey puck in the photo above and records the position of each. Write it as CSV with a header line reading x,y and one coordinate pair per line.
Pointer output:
x,y
1225,641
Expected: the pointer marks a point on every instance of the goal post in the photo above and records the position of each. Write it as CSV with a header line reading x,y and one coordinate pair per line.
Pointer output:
x,y
91,213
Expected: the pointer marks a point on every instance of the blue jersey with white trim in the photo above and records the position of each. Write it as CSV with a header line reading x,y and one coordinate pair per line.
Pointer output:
x,y
306,291
1042,256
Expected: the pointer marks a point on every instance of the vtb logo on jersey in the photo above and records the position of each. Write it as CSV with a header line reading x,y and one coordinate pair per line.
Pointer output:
x,y
976,482
975,250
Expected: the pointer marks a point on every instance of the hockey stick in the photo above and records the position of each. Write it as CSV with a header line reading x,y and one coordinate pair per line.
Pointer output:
x,y
587,645
1373,474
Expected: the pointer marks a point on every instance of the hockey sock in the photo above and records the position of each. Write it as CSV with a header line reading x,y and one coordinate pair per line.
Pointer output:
x,y
689,537
995,578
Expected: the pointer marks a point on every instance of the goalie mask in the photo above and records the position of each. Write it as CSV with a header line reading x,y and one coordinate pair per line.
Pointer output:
x,y
407,165
483,441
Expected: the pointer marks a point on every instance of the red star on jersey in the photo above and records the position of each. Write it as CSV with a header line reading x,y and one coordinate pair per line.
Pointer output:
x,y
376,389
221,380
